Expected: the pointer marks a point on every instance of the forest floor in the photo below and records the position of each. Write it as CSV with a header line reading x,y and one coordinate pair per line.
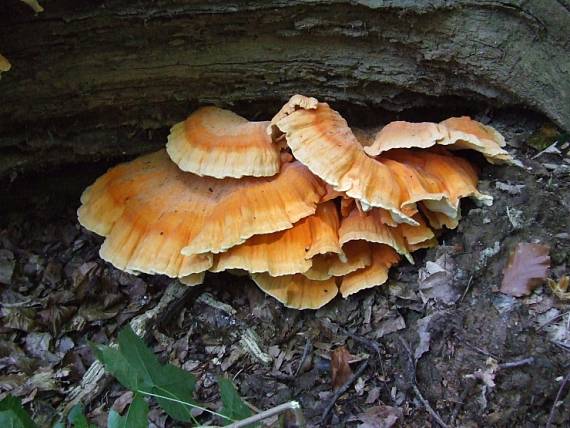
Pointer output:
x,y
475,356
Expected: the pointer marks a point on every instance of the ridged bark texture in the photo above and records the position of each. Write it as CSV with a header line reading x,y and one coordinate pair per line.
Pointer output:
x,y
93,79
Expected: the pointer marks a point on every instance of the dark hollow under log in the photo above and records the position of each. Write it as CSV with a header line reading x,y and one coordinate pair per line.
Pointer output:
x,y
98,80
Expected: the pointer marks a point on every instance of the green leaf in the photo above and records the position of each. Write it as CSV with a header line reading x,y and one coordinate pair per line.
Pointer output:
x,y
139,357
177,384
117,365
136,367
77,418
136,417
13,415
234,407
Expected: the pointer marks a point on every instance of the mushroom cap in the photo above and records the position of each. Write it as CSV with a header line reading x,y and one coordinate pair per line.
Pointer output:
x,y
416,185
297,291
372,226
439,220
405,135
321,139
289,251
416,237
466,133
218,143
193,279
150,212
296,102
383,257
456,133
456,175
357,255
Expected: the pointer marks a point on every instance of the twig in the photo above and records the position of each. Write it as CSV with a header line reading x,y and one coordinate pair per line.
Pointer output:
x,y
370,344
475,348
306,351
467,287
556,318
558,394
517,363
294,406
428,407
94,381
343,388
471,382
417,391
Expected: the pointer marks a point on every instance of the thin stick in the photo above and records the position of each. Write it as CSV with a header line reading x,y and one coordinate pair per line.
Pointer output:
x,y
428,407
344,387
417,391
294,406
517,363
558,394
466,289
306,351
556,318
470,384
186,404
370,344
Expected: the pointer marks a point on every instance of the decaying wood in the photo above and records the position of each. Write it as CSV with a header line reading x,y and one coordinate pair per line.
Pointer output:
x,y
104,79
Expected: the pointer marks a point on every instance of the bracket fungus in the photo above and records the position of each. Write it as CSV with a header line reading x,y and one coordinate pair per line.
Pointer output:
x,y
307,206
218,143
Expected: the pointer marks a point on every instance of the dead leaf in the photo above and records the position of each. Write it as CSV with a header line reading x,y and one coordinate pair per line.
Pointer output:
x,y
341,370
526,269
437,280
121,403
379,417
560,288
373,395
19,318
425,336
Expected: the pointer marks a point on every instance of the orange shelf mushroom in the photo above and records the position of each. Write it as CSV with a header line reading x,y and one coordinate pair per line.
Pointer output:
x,y
297,291
306,206
455,133
289,251
218,143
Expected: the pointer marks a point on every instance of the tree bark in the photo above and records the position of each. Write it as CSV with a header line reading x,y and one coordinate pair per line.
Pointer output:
x,y
104,79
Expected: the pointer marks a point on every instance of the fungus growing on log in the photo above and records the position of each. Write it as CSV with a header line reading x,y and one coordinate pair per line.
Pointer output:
x,y
455,133
303,204
289,251
218,143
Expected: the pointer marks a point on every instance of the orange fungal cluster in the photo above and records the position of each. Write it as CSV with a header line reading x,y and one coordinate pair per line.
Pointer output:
x,y
303,203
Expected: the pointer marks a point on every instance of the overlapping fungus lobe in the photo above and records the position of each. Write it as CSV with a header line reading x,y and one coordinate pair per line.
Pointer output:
x,y
303,204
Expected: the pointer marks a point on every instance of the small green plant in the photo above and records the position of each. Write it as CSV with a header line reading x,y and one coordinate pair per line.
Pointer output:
x,y
137,368
13,415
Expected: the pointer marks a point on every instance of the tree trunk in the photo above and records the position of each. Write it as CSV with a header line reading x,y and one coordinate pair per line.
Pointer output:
x,y
94,79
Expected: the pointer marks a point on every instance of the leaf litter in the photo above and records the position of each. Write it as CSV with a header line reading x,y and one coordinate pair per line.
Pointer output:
x,y
58,287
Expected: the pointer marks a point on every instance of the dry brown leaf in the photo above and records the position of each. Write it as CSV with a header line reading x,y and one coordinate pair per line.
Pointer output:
x,y
341,370
379,417
526,269
560,288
